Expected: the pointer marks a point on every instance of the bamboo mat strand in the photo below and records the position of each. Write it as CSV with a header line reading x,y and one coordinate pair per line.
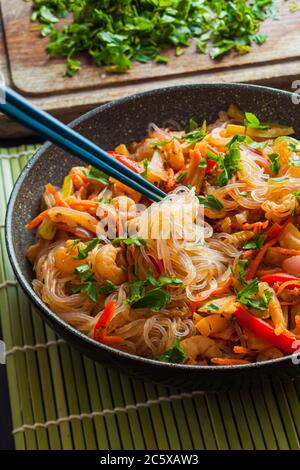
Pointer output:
x,y
63,400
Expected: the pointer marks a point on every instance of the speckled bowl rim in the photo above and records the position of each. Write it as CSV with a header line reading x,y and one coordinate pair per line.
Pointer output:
x,y
55,318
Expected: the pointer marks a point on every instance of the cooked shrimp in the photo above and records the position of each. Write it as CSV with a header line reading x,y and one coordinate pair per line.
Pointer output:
x,y
105,265
277,211
200,346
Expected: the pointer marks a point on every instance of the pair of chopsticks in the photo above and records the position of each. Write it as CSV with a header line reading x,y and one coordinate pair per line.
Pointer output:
x,y
21,110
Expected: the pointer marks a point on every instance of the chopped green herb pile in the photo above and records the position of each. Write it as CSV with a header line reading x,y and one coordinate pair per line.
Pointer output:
x,y
116,33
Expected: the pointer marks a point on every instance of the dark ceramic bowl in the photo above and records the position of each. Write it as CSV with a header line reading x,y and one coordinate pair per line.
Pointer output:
x,y
123,121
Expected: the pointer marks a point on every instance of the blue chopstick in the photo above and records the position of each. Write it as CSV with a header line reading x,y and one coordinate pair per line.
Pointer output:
x,y
49,121
74,149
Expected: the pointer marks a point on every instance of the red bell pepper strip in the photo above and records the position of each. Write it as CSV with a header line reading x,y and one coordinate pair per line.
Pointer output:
x,y
273,232
279,277
102,324
137,167
265,331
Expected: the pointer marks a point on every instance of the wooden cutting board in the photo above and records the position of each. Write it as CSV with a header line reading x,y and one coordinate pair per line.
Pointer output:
x,y
33,73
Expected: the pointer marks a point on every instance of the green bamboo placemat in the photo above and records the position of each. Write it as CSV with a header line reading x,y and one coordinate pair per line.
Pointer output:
x,y
63,400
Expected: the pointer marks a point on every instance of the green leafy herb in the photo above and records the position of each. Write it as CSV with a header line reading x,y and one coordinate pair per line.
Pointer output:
x,y
156,298
255,244
229,164
88,286
134,240
191,126
145,163
203,163
294,146
211,202
253,122
245,296
181,176
159,144
84,272
174,355
116,33
275,165
297,195
241,270
212,308
89,246
196,135
97,175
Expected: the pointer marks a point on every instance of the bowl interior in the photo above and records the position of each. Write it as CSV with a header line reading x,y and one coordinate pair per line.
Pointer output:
x,y
122,122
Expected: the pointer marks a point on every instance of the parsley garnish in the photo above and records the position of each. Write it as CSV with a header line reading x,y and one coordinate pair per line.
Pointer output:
x,y
181,176
88,286
191,126
134,240
254,244
275,165
253,122
195,135
118,33
211,202
97,175
89,246
212,308
156,298
174,355
245,296
145,163
229,164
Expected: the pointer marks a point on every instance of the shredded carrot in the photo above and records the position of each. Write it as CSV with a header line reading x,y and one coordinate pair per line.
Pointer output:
x,y
287,251
57,196
258,259
111,340
248,253
222,361
286,284
223,289
37,220
241,350
171,181
86,203
255,225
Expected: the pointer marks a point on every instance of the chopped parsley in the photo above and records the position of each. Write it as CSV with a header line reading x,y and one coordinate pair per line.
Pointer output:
x,y
275,165
156,298
195,135
97,175
88,246
88,286
174,355
145,163
191,126
134,240
211,202
119,33
245,296
252,121
255,244
181,176
212,308
229,163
